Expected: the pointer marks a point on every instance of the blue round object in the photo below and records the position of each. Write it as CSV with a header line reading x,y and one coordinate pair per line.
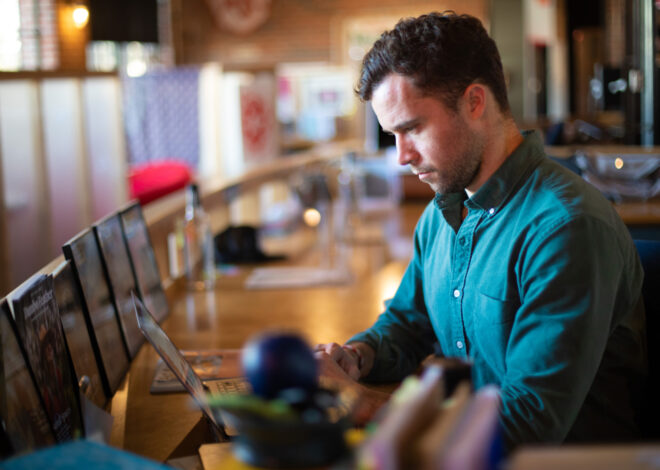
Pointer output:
x,y
277,361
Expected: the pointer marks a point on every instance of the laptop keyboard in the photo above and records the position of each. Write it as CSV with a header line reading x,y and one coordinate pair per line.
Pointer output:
x,y
235,386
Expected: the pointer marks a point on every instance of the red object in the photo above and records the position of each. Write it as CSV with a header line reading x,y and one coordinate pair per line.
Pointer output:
x,y
150,181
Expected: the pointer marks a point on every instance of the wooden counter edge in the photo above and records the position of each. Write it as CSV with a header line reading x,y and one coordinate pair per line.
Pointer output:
x,y
587,457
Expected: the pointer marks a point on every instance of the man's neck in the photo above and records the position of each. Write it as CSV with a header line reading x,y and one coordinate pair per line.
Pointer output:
x,y
502,139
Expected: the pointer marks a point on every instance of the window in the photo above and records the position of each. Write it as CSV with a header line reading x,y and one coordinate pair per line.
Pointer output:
x,y
10,41
28,35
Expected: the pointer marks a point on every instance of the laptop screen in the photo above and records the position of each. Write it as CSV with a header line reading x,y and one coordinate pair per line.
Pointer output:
x,y
174,359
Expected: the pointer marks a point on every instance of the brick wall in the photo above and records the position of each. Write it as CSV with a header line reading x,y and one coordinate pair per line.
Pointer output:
x,y
296,31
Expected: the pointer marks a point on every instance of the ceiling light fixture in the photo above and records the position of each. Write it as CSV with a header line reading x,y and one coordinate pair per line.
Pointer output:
x,y
80,15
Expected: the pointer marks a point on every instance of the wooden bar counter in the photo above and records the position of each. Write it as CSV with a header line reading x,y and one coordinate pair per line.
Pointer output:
x,y
225,317
154,425
639,213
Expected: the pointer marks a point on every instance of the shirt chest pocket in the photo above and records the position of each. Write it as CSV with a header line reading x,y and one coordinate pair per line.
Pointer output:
x,y
493,308
492,321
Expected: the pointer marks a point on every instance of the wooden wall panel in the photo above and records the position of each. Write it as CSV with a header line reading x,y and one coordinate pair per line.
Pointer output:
x,y
296,31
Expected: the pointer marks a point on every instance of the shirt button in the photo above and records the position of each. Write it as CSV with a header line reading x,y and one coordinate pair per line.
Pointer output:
x,y
457,293
461,241
459,344
491,211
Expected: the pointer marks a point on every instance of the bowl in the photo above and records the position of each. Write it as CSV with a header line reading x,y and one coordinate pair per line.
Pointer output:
x,y
309,437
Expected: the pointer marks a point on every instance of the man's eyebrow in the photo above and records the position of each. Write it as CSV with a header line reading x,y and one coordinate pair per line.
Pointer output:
x,y
405,125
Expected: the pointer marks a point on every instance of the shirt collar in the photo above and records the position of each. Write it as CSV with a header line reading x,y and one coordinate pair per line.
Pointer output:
x,y
495,190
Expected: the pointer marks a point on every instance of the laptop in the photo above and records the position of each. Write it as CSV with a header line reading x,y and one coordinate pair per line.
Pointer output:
x,y
184,371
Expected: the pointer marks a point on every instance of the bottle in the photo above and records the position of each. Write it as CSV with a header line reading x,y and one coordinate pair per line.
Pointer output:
x,y
350,192
198,252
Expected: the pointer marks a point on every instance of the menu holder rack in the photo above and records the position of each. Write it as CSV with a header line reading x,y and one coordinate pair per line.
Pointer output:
x,y
100,313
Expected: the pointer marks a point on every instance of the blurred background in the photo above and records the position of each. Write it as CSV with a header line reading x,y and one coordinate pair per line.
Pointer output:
x,y
95,94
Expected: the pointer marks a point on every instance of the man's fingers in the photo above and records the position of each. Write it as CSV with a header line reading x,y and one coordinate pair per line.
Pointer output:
x,y
334,350
353,371
339,355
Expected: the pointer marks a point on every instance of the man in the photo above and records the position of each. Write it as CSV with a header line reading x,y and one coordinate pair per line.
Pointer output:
x,y
518,265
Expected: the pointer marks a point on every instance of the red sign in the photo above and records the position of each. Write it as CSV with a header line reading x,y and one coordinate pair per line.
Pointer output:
x,y
254,121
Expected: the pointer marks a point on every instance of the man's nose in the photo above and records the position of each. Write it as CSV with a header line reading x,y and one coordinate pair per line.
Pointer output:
x,y
405,151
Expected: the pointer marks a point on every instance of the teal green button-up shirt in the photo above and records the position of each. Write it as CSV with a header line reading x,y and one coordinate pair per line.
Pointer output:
x,y
540,287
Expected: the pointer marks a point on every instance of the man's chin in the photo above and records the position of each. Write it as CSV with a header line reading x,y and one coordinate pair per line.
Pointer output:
x,y
434,185
445,190
440,188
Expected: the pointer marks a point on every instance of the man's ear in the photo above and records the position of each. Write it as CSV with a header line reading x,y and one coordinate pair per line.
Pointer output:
x,y
475,99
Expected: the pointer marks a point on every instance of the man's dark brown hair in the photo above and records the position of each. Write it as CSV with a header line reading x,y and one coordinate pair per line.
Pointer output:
x,y
442,52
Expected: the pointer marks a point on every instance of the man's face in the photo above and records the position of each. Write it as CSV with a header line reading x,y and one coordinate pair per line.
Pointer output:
x,y
436,142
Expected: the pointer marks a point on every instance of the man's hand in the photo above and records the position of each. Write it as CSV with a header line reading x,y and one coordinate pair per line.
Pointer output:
x,y
346,357
335,376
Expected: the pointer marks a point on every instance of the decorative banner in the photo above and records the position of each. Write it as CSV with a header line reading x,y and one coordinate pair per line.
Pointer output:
x,y
161,115
255,121
248,126
240,16
258,122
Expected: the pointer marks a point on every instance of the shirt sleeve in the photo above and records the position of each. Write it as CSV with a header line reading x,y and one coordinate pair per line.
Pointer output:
x,y
402,336
578,280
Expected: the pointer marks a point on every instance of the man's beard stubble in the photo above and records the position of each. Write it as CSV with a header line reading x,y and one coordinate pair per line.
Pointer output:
x,y
463,170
